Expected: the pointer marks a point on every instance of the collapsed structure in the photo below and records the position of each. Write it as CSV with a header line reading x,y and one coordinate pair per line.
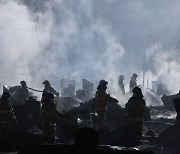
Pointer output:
x,y
77,103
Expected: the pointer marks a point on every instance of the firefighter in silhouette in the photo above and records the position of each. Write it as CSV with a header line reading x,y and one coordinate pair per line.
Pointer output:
x,y
176,102
121,84
100,102
135,115
24,86
7,117
133,82
43,98
49,88
49,115
23,91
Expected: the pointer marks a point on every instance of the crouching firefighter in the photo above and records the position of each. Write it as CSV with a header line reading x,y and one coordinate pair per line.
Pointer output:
x,y
50,115
135,116
100,103
7,116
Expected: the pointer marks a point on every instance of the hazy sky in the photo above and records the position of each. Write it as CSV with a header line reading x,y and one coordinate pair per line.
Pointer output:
x,y
92,39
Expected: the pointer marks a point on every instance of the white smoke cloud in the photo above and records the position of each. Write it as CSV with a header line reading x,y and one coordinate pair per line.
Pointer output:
x,y
69,43
88,39
18,43
164,63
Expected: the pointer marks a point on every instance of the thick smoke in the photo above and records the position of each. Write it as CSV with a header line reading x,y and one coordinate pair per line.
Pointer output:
x,y
89,39
64,41
163,59
18,43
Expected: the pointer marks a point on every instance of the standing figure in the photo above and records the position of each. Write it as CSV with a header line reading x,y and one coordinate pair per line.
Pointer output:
x,y
121,84
49,88
49,115
176,102
133,82
7,117
19,94
135,115
24,86
23,91
100,102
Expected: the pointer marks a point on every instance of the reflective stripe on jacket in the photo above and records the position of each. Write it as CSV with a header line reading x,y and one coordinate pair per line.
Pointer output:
x,y
100,103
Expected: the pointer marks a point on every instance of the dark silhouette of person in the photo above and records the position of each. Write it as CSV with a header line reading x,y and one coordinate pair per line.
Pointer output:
x,y
100,102
23,91
135,116
49,115
176,102
49,88
7,116
133,82
121,84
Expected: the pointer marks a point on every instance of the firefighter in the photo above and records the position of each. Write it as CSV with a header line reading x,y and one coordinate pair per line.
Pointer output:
x,y
7,116
121,84
100,102
49,115
176,102
49,88
133,82
24,89
43,98
135,115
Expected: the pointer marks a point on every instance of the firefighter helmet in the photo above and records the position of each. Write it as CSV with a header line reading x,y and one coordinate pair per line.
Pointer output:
x,y
135,75
46,82
102,84
136,90
22,82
